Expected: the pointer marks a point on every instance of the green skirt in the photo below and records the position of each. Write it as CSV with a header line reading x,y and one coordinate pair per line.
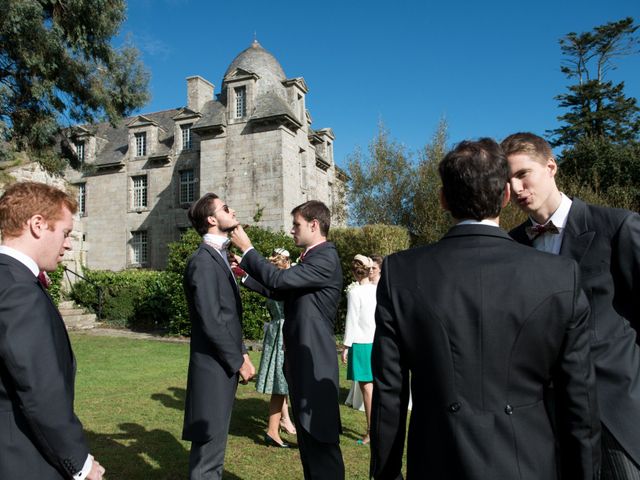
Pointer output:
x,y
359,362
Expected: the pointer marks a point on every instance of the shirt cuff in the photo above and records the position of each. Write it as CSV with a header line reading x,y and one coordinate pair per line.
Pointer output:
x,y
247,250
82,474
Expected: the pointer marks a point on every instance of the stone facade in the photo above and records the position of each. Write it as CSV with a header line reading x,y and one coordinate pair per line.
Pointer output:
x,y
252,144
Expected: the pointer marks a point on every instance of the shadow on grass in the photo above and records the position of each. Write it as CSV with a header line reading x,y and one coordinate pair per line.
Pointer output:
x,y
248,419
174,400
139,454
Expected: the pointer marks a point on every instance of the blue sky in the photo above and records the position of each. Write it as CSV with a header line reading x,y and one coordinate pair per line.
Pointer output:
x,y
489,67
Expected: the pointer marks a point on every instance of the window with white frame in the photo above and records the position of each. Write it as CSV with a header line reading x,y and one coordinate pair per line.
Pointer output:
x,y
186,137
139,247
187,186
82,199
241,101
141,144
80,151
139,191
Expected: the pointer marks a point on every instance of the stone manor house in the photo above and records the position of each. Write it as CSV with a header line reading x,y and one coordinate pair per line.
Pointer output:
x,y
252,144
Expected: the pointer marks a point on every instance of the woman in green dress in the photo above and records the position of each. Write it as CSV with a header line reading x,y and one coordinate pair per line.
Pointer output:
x,y
270,374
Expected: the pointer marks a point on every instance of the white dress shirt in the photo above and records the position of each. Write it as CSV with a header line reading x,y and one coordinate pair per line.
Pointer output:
x,y
551,242
360,324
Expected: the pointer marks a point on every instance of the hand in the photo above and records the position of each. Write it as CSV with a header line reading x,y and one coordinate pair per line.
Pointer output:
x,y
345,354
247,370
96,472
240,238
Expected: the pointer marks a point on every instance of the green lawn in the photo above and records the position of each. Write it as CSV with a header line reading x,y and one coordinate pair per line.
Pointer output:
x,y
130,398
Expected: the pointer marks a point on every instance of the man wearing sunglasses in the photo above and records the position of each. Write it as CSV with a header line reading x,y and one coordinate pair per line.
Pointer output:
x,y
218,357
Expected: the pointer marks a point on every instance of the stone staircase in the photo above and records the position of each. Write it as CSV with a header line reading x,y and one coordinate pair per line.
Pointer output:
x,y
75,317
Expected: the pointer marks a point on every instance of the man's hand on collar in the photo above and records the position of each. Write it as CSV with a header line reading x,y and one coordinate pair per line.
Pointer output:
x,y
240,239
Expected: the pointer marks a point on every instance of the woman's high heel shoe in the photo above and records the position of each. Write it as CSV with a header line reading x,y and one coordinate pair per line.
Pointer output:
x,y
288,427
272,443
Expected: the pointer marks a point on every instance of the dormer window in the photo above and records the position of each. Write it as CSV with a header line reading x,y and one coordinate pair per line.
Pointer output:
x,y
80,151
241,101
141,144
186,137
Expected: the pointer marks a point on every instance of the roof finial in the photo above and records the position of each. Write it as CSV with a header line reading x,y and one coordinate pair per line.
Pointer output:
x,y
255,43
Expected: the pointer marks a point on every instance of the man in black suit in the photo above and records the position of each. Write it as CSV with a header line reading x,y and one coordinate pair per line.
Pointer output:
x,y
482,325
606,244
218,357
311,291
40,435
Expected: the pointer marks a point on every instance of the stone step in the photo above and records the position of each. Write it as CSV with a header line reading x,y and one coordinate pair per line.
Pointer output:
x,y
81,317
71,311
75,317
85,324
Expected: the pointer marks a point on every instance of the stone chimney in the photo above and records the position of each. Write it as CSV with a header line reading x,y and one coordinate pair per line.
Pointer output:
x,y
199,91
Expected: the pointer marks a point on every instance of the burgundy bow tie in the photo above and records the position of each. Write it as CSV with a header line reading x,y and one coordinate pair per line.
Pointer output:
x,y
534,231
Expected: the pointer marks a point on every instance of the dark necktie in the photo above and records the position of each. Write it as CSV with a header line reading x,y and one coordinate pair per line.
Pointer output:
x,y
534,231
44,280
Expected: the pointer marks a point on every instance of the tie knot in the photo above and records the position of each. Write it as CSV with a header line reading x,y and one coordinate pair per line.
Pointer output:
x,y
534,231
44,279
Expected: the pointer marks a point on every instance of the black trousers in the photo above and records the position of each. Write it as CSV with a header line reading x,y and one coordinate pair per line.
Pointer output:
x,y
320,461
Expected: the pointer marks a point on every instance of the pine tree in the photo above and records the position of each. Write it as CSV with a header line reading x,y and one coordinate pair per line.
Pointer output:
x,y
597,108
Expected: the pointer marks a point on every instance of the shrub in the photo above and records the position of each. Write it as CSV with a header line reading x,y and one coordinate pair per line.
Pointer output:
x,y
129,298
56,282
254,307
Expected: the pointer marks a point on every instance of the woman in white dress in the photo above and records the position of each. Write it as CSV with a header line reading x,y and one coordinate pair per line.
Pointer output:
x,y
360,327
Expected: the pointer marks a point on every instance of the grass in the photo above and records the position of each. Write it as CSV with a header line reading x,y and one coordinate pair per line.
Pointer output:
x,y
130,398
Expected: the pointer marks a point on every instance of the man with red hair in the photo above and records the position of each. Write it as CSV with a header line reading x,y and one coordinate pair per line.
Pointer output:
x,y
40,435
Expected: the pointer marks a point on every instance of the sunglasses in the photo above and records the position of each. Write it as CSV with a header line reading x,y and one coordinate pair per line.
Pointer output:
x,y
223,207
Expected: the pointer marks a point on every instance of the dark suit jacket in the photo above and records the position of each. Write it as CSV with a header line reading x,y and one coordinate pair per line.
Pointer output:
x,y
606,244
311,291
483,325
216,352
40,436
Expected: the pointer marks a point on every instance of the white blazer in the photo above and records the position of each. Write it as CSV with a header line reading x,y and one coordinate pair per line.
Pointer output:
x,y
360,324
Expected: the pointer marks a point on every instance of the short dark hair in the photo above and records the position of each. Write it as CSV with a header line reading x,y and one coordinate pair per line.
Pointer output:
x,y
529,144
200,211
474,175
315,210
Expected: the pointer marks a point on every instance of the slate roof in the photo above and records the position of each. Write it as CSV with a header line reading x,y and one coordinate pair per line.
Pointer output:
x,y
214,114
256,59
272,105
114,150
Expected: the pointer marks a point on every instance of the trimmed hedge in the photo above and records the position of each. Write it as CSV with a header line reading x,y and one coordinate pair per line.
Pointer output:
x,y
131,298
147,299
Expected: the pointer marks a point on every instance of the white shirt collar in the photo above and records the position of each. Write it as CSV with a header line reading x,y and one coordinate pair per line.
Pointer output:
x,y
219,240
478,222
313,246
559,217
23,258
